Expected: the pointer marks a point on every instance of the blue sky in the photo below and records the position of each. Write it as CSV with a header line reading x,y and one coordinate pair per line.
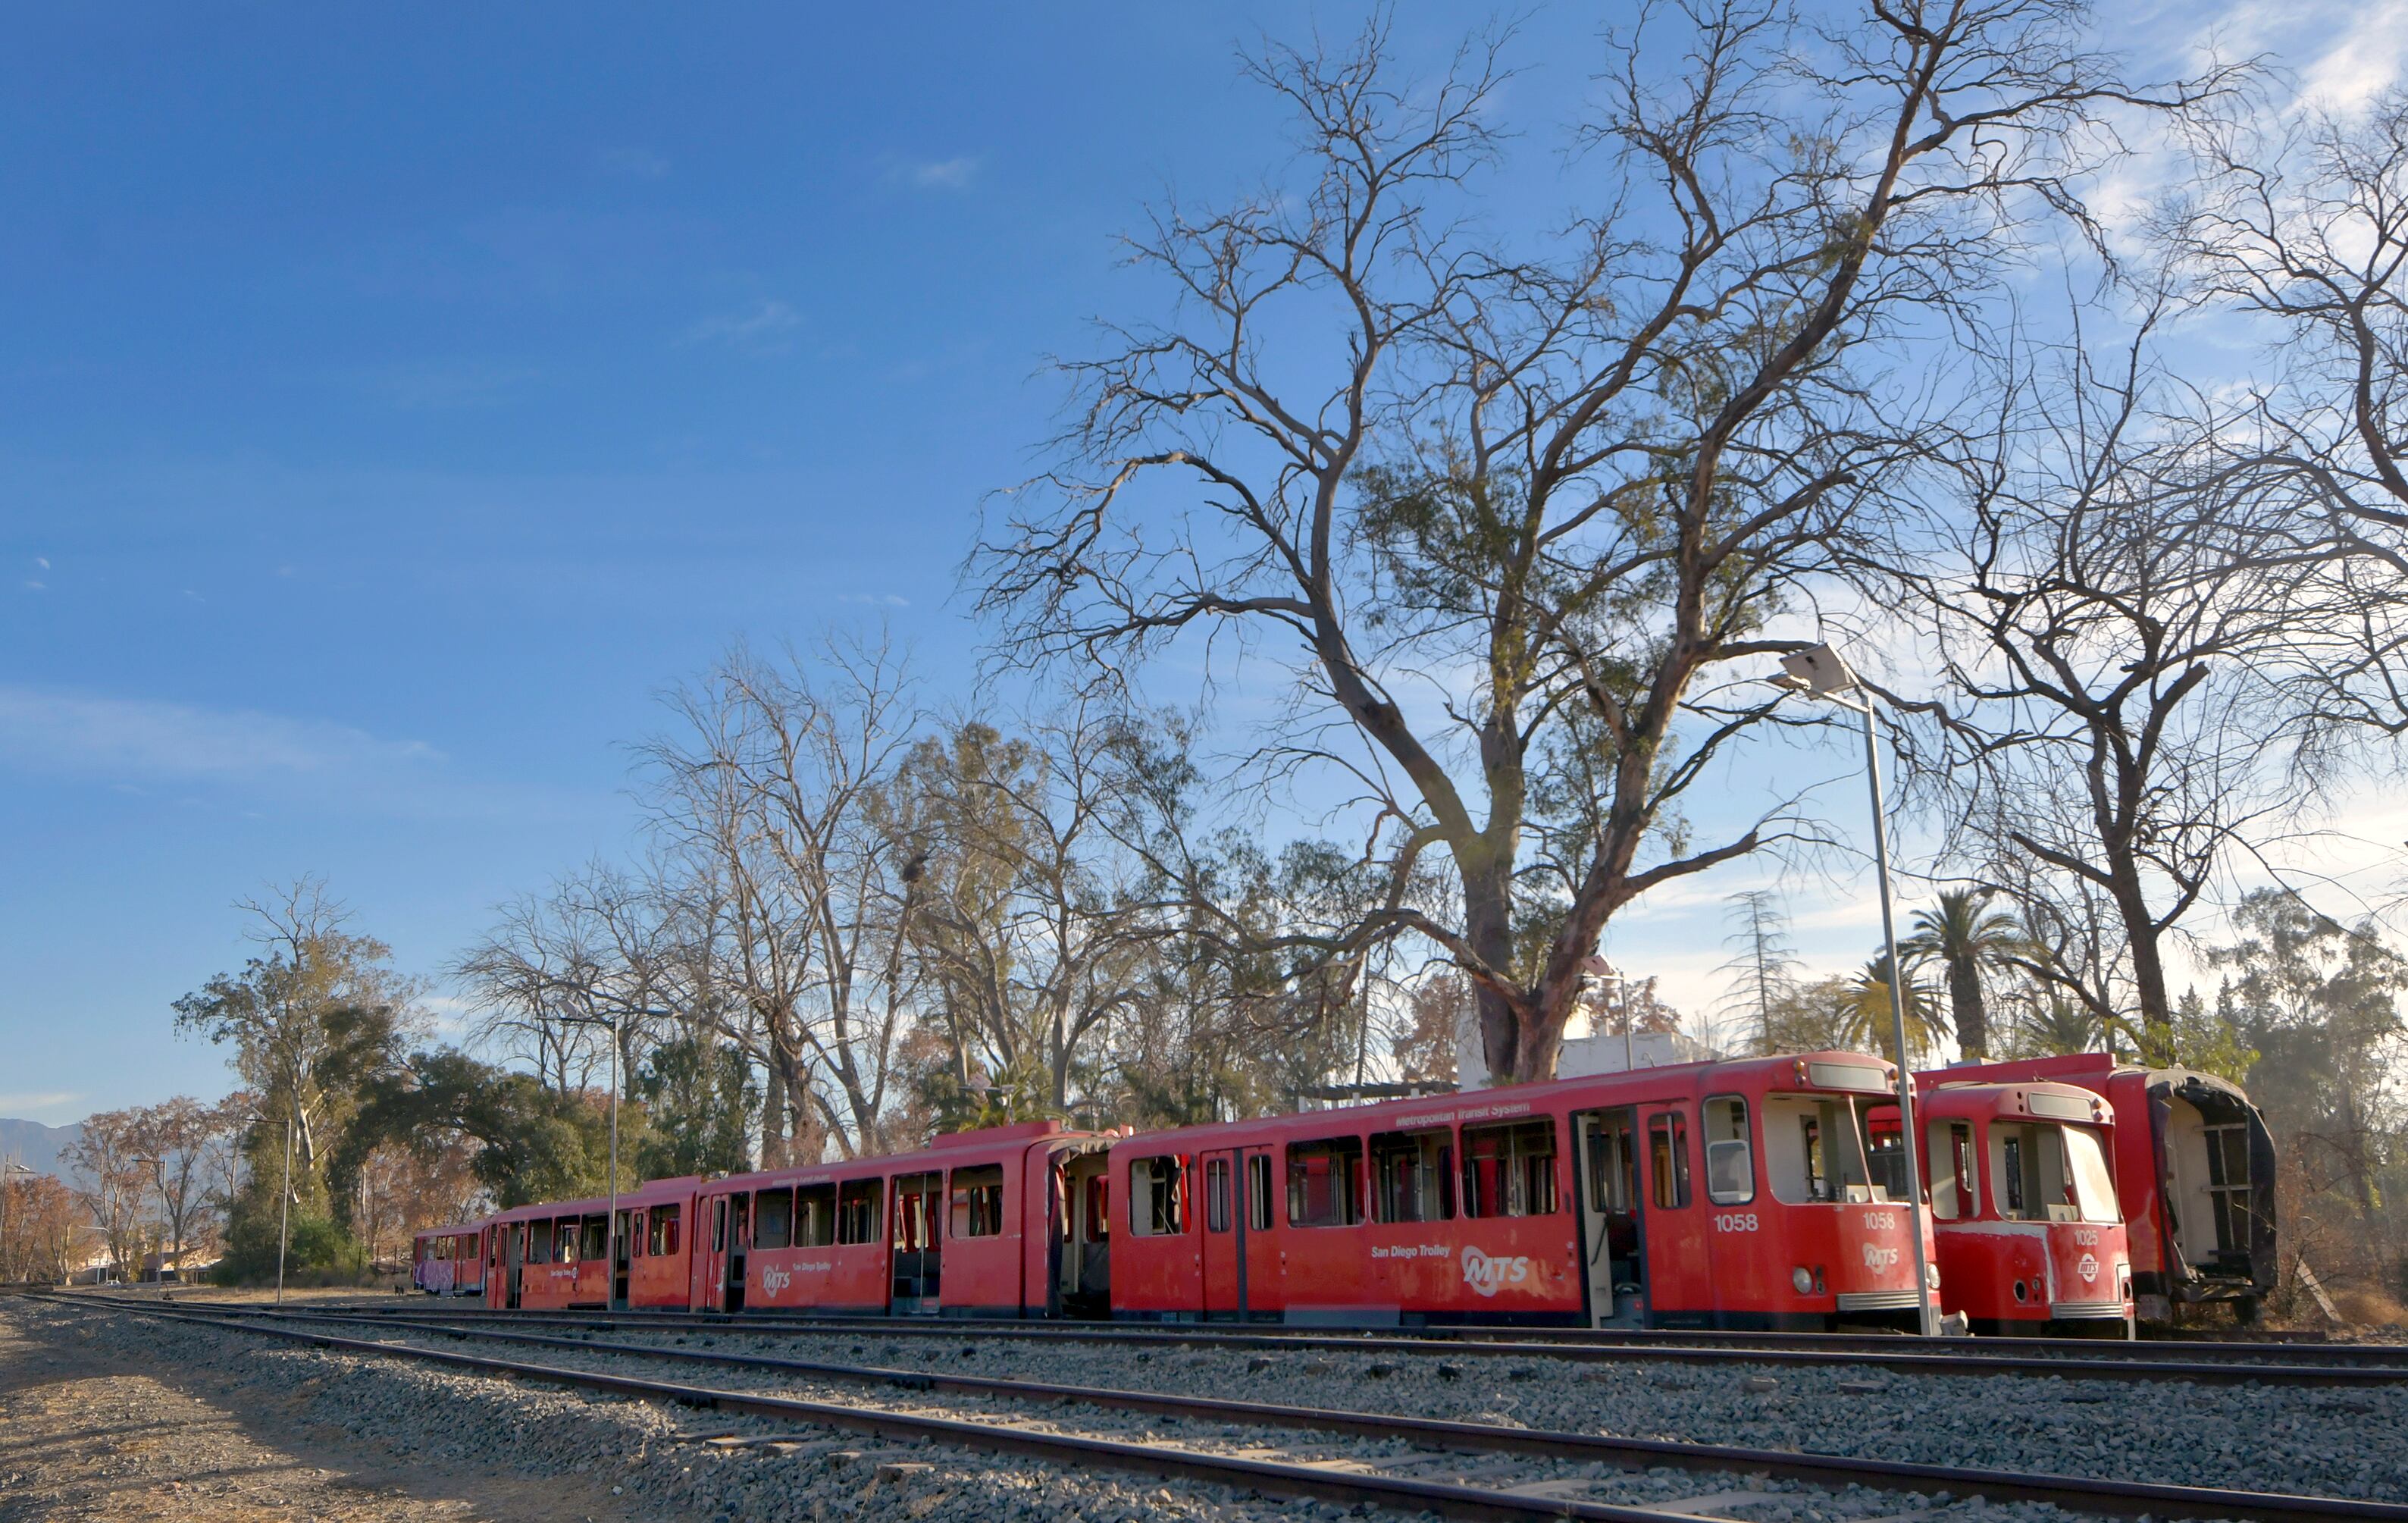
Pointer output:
x,y
389,412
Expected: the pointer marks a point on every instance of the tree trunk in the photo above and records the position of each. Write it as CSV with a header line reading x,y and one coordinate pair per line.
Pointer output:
x,y
1489,926
1965,1008
2148,967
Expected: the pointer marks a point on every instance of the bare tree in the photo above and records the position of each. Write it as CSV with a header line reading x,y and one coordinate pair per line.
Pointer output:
x,y
109,1155
173,1140
599,954
2301,218
40,1228
1034,921
773,796
1514,513
2115,616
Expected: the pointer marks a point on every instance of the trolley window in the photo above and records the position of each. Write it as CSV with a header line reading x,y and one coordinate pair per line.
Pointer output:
x,y
1956,1178
1216,1195
564,1238
634,1236
1815,1147
662,1229
1668,1159
1325,1183
1613,1164
1158,1196
1730,1158
858,1206
2036,1177
538,1243
596,1235
1509,1170
2094,1185
773,1218
916,1198
1100,1208
1258,1192
1413,1176
977,1201
815,1216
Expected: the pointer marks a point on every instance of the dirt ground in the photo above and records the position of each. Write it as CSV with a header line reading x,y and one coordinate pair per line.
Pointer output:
x,y
84,1436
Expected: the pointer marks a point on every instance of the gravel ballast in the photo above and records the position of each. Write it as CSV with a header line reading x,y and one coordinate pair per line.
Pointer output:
x,y
2338,1441
2331,1443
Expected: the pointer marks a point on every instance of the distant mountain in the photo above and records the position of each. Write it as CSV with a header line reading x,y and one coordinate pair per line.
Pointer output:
x,y
34,1146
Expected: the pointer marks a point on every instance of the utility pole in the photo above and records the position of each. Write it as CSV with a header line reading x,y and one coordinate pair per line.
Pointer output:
x,y
285,1207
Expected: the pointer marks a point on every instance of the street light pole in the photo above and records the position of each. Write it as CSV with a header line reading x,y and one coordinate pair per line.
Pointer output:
x,y
1820,672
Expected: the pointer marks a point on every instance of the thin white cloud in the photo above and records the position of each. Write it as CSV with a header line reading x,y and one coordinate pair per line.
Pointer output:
x,y
42,561
35,586
86,734
632,162
884,599
444,384
769,325
39,1101
953,174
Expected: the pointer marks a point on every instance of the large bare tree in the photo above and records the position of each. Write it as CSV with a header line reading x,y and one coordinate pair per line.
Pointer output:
x,y
604,954
2113,619
1034,923
773,793
2301,219
1514,515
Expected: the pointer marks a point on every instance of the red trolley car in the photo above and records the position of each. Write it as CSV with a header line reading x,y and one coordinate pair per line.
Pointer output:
x,y
2024,1208
448,1261
1007,1221
1756,1193
1742,1194
2194,1169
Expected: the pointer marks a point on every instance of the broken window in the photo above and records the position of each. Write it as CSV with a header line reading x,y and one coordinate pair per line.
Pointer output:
x,y
1815,1148
977,1201
773,1218
1413,1176
815,1216
1668,1159
1509,1170
1325,1183
1158,1196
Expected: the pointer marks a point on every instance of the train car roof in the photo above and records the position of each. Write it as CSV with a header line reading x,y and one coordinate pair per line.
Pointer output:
x,y
2042,1100
1507,1101
947,1150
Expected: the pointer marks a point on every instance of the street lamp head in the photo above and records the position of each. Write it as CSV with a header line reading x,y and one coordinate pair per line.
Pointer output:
x,y
1817,669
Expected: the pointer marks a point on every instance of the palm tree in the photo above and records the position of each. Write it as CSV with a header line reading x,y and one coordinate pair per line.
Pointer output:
x,y
2058,1024
1867,1014
1965,936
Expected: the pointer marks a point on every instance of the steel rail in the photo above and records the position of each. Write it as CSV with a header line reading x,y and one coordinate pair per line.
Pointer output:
x,y
1902,1356
2079,1493
2170,1350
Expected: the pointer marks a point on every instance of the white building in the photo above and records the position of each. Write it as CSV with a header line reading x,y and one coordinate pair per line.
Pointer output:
x,y
1596,1052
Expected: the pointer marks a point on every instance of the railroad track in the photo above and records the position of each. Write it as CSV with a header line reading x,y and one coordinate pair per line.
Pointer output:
x,y
1328,1477
2326,1364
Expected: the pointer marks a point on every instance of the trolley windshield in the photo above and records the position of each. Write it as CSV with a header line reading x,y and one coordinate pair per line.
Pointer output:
x,y
1833,1148
2042,1170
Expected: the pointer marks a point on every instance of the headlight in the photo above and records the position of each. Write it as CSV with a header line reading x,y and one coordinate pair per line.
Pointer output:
x,y
1931,1276
1802,1281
